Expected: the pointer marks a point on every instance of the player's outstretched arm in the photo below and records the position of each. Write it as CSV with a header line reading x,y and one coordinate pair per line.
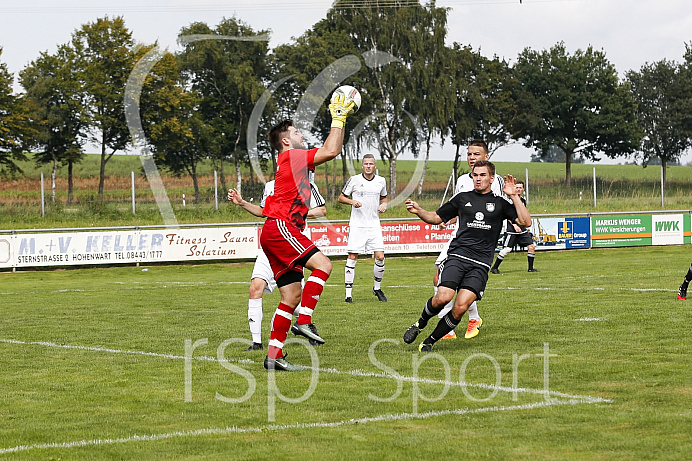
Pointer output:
x,y
429,217
317,212
235,197
334,142
510,189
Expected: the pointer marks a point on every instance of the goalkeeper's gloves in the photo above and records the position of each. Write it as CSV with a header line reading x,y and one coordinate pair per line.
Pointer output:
x,y
340,111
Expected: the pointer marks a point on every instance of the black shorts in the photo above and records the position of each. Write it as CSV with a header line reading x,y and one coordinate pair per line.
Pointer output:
x,y
457,274
523,240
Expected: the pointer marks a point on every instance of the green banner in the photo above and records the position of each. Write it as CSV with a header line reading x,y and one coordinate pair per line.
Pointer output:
x,y
620,231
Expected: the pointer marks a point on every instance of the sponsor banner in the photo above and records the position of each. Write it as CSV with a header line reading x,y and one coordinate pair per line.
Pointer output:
x,y
560,233
75,248
200,244
5,251
622,230
404,237
667,229
399,237
576,232
118,247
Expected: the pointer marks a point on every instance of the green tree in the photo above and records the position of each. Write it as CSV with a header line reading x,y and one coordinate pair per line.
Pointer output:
x,y
492,101
461,66
56,93
17,130
401,44
433,102
576,103
554,155
484,103
172,121
303,65
107,57
685,81
226,73
662,94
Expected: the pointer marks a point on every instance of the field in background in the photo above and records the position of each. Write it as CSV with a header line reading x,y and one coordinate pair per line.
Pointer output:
x,y
619,188
91,375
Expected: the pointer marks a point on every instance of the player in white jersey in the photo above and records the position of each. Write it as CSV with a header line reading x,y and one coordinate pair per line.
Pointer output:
x,y
368,192
262,279
477,150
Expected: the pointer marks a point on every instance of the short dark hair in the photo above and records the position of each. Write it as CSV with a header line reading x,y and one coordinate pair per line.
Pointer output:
x,y
519,181
278,132
486,163
479,143
368,156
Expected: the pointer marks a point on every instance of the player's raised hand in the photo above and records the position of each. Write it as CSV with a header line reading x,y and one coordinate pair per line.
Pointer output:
x,y
510,187
412,206
234,196
340,110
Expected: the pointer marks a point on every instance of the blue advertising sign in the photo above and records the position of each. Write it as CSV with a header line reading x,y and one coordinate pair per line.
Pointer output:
x,y
576,232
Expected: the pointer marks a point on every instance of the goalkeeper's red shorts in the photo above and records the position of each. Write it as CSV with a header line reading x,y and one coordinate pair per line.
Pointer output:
x,y
284,245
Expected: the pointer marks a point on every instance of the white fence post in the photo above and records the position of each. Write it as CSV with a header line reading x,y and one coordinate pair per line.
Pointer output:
x,y
133,192
662,185
43,198
594,187
526,186
216,191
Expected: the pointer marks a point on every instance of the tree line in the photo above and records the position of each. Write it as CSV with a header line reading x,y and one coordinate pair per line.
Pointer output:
x,y
200,102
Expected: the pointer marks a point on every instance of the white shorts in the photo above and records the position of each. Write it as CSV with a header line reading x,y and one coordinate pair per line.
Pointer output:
x,y
262,270
365,239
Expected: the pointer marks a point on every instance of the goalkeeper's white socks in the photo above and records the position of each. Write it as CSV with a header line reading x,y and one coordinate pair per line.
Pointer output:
x,y
254,318
378,272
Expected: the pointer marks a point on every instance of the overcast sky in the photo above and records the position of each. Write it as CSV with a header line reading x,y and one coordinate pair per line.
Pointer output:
x,y
631,32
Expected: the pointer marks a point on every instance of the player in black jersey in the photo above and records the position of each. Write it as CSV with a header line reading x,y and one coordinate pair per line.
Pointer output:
x,y
480,214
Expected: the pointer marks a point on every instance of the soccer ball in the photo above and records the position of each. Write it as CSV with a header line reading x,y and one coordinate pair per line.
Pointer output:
x,y
350,93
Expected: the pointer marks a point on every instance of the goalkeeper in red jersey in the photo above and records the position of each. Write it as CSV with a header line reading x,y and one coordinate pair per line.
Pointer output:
x,y
287,249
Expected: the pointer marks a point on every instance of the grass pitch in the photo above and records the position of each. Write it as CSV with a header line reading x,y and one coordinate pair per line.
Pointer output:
x,y
94,365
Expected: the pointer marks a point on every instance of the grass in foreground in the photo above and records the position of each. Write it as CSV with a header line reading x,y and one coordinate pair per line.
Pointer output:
x,y
72,344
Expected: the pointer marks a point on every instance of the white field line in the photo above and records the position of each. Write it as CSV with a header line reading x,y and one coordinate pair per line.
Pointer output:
x,y
357,373
667,290
286,427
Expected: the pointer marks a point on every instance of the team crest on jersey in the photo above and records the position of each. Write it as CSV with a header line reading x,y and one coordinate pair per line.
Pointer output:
x,y
479,216
490,207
